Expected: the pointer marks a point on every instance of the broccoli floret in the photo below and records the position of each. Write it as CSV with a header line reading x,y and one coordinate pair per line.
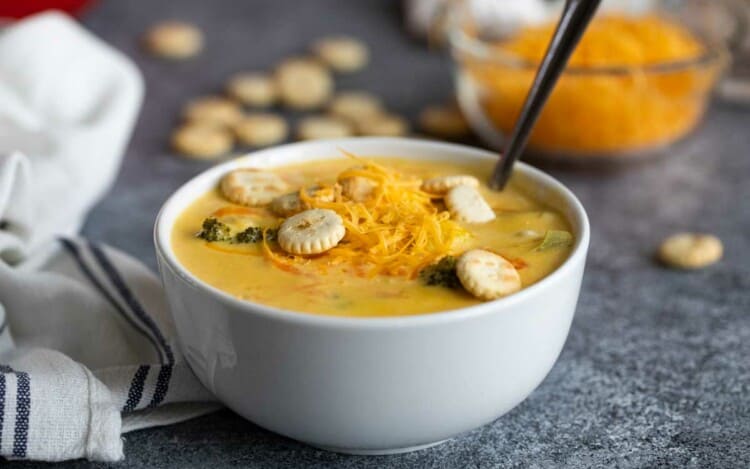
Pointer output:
x,y
252,234
442,273
214,230
255,234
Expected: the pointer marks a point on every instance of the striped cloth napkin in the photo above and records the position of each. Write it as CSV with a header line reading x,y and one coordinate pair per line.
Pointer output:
x,y
88,350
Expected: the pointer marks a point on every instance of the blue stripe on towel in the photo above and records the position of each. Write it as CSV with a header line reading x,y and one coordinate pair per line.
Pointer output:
x,y
139,313
136,388
165,374
23,409
75,252
162,385
2,403
130,299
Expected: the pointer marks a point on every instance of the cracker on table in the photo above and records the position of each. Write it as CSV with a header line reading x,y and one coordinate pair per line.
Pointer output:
x,y
173,39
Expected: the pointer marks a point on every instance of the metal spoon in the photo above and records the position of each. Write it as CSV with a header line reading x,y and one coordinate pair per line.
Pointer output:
x,y
575,18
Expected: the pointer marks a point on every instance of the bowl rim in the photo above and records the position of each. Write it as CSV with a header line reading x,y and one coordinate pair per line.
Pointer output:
x,y
168,259
462,43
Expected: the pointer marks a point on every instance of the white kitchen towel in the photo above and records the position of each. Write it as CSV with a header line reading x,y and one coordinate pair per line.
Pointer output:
x,y
87,347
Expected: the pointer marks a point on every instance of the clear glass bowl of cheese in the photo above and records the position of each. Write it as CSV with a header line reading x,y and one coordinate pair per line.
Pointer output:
x,y
639,81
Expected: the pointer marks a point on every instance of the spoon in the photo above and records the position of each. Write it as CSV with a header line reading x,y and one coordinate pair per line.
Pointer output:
x,y
575,18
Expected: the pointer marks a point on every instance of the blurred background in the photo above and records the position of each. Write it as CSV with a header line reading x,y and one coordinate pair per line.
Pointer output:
x,y
641,80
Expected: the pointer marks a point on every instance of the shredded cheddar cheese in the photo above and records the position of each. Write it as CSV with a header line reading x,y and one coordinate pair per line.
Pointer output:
x,y
603,112
395,231
614,41
282,260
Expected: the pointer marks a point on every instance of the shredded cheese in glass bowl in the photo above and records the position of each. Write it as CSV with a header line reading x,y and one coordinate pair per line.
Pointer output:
x,y
637,82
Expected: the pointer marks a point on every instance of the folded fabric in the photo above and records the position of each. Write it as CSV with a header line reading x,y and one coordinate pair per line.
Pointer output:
x,y
67,101
87,336
87,347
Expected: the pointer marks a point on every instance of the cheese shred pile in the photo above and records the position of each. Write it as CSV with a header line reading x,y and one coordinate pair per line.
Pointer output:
x,y
396,230
613,104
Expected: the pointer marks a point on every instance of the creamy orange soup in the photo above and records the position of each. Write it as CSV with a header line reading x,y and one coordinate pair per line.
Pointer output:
x,y
338,285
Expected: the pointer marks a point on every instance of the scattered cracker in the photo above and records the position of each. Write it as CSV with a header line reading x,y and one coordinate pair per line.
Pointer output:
x,y
487,275
355,105
383,125
288,204
173,40
303,83
311,232
252,89
261,129
214,110
319,127
357,188
202,141
248,186
466,204
342,53
690,250
442,184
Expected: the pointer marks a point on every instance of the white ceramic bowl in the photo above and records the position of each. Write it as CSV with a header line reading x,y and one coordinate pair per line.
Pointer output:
x,y
375,385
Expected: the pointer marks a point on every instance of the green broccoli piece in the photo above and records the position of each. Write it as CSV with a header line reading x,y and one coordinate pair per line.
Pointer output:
x,y
555,239
252,234
442,273
255,234
214,230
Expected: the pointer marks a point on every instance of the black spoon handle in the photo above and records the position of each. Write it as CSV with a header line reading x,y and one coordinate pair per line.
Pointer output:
x,y
575,18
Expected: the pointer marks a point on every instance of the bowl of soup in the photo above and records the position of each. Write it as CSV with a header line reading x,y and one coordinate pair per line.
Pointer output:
x,y
371,295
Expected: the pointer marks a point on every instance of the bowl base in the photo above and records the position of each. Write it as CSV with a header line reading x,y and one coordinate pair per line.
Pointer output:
x,y
380,452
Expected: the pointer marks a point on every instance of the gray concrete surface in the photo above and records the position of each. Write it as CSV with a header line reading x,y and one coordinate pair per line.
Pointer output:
x,y
656,370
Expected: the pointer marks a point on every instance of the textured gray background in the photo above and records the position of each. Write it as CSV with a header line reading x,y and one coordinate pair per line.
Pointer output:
x,y
656,370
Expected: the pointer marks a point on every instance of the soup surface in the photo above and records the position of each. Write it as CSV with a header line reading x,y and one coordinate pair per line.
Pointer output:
x,y
524,231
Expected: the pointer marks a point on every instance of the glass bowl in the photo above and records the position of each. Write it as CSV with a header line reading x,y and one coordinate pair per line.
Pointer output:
x,y
595,112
